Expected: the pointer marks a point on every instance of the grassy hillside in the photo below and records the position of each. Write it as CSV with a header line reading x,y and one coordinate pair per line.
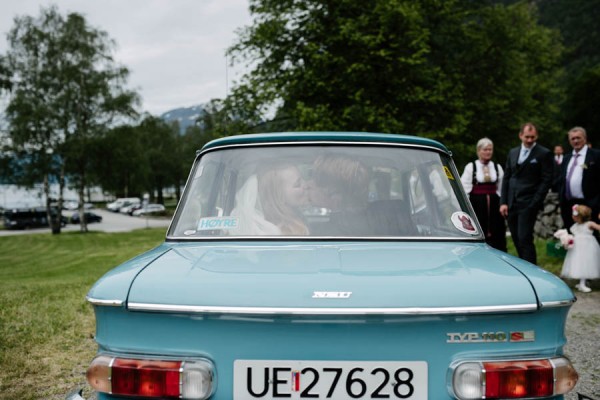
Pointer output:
x,y
46,326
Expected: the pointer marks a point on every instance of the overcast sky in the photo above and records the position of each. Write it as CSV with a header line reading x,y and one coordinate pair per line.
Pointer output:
x,y
174,49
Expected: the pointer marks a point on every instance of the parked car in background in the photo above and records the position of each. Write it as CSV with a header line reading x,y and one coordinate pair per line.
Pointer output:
x,y
90,217
149,209
328,265
26,218
116,205
72,205
129,209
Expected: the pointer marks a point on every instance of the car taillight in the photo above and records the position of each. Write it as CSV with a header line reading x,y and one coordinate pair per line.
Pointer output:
x,y
189,379
516,379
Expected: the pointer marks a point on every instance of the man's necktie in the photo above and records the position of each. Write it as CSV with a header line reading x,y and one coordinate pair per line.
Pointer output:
x,y
569,175
524,154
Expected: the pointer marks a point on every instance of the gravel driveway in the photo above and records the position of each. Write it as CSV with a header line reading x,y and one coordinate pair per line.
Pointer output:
x,y
583,347
111,222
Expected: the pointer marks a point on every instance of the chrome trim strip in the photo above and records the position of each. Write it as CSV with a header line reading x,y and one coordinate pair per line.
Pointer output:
x,y
327,142
335,238
174,308
559,303
108,303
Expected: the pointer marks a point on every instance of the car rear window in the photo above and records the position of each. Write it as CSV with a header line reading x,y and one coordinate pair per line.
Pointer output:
x,y
329,191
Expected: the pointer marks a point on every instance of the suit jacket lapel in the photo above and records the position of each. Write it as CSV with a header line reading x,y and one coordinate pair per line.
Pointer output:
x,y
519,167
588,160
514,160
531,151
588,157
564,167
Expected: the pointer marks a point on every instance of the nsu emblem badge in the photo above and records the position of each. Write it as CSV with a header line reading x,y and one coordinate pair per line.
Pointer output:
x,y
331,295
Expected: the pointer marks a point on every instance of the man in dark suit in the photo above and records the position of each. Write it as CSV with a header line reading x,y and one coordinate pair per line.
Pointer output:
x,y
558,159
527,179
580,177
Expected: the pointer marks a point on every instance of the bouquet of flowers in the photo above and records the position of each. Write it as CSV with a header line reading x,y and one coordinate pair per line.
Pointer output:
x,y
565,238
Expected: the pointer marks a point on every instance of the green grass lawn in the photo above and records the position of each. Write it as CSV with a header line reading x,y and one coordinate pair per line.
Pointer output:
x,y
46,326
552,264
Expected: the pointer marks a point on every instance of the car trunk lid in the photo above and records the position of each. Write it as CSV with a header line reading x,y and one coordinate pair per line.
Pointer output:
x,y
334,278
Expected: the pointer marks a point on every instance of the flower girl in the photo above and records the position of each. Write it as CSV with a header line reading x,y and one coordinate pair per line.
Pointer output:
x,y
583,259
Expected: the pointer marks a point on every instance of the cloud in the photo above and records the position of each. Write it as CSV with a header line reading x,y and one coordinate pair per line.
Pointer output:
x,y
174,49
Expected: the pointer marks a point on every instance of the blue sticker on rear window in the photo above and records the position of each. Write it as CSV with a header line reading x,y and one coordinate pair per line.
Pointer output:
x,y
207,224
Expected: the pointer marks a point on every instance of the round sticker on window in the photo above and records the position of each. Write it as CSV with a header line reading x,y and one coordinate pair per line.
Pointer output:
x,y
463,222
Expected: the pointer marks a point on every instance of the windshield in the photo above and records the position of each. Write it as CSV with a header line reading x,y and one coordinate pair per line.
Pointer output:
x,y
323,191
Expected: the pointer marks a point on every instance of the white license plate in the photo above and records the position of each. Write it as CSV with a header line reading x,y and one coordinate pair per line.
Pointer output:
x,y
340,380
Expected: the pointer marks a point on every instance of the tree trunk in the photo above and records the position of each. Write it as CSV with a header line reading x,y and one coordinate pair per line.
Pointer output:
x,y
53,218
178,190
160,198
61,189
81,192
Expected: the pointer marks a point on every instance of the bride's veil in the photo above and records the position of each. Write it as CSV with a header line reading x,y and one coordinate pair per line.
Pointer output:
x,y
251,220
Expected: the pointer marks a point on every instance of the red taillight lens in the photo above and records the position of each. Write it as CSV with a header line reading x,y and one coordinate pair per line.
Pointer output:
x,y
190,379
146,378
517,380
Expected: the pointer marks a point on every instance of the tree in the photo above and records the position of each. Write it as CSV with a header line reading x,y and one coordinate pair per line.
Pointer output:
x,y
92,95
188,145
4,75
581,108
160,154
30,66
119,161
231,116
577,21
448,69
65,91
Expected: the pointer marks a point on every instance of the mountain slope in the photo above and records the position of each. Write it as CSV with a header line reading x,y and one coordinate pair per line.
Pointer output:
x,y
186,116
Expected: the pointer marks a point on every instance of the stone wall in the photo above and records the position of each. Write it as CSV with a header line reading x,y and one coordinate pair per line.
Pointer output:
x,y
548,220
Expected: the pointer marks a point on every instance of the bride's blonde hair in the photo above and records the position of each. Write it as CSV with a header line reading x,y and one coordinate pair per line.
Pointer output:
x,y
273,202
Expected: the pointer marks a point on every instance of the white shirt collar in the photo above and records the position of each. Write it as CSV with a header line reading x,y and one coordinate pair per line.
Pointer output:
x,y
583,151
525,148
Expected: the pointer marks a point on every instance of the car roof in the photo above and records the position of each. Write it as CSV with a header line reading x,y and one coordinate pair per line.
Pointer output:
x,y
283,137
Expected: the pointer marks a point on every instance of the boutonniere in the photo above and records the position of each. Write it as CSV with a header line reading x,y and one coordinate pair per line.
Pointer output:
x,y
584,166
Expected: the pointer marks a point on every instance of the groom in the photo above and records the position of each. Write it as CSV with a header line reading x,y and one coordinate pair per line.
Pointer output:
x,y
527,179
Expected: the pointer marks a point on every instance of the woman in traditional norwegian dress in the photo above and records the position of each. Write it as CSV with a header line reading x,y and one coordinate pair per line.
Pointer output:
x,y
482,180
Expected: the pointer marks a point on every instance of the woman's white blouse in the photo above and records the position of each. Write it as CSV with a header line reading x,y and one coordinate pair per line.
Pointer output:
x,y
467,176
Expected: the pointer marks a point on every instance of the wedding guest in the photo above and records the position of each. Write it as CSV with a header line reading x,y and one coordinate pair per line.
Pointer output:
x,y
580,177
527,179
482,180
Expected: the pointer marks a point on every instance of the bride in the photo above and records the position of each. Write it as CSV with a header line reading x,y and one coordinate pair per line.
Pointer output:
x,y
269,203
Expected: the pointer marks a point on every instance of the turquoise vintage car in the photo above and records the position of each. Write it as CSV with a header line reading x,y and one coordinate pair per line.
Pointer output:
x,y
328,265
